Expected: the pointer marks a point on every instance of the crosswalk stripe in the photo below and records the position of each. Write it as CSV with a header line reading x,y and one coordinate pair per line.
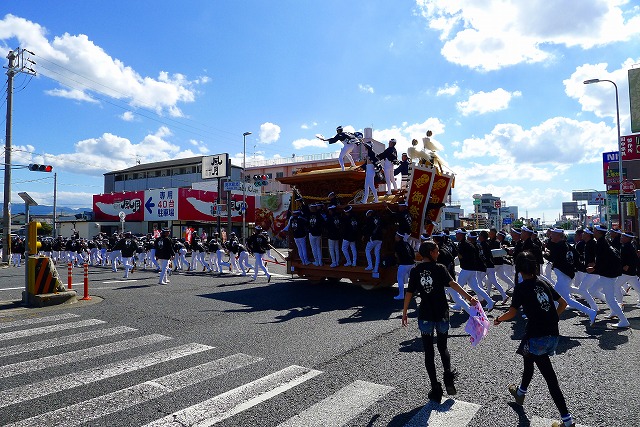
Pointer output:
x,y
234,401
341,407
448,413
35,320
78,414
546,422
22,333
98,373
78,355
61,341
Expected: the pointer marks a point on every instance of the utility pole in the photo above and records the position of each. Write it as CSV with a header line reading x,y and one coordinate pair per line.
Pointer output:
x,y
16,65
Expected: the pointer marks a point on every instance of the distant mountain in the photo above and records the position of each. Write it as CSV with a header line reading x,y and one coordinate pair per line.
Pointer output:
x,y
17,208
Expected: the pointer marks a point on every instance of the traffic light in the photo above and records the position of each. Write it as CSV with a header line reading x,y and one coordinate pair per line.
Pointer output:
x,y
32,237
40,168
260,180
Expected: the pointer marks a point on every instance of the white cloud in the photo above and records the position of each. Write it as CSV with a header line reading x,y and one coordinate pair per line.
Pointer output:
x,y
599,98
308,126
128,116
75,94
269,133
493,34
366,88
77,63
558,140
109,152
448,89
487,102
299,144
200,146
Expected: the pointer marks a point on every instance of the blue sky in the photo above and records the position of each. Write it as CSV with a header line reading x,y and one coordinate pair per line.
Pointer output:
x,y
498,82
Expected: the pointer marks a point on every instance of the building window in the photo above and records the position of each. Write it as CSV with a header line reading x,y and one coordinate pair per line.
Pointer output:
x,y
279,174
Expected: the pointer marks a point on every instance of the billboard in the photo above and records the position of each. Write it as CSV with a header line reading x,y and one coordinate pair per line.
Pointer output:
x,y
570,208
200,205
630,147
634,98
107,207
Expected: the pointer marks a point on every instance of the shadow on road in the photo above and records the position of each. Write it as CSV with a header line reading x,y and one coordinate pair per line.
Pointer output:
x,y
303,299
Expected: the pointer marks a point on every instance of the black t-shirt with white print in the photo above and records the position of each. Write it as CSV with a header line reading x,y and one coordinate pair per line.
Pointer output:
x,y
429,280
537,299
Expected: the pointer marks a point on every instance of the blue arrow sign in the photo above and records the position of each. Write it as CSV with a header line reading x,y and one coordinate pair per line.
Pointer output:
x,y
149,204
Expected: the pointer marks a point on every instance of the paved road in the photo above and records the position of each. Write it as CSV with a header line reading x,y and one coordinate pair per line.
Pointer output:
x,y
224,351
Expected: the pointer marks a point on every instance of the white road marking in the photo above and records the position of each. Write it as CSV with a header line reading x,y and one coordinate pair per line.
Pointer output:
x,y
234,401
546,422
341,407
35,320
60,341
66,382
92,409
448,413
11,289
78,355
46,329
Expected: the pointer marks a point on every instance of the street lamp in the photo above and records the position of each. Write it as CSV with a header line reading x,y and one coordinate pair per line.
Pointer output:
x,y
621,213
244,187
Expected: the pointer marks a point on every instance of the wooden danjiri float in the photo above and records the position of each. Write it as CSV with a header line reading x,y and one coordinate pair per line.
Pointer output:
x,y
424,193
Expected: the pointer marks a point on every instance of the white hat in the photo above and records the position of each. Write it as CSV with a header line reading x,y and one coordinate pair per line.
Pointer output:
x,y
527,229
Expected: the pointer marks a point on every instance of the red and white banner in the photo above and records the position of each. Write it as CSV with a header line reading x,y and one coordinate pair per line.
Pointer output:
x,y
107,207
182,204
200,205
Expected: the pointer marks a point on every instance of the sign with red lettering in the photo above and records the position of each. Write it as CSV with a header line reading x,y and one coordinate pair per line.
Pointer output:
x,y
106,207
630,147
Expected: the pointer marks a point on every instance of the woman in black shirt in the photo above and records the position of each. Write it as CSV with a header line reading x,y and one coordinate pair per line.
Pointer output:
x,y
429,279
537,298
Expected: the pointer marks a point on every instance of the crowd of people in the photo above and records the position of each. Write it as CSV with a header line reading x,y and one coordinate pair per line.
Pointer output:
x,y
165,254
542,275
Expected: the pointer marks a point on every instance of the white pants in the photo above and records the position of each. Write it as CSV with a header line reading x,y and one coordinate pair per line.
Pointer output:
x,y
221,263
128,265
301,244
334,252
586,283
195,259
346,245
181,259
200,258
116,256
491,279
470,277
243,262
631,281
346,151
502,272
563,287
388,176
164,266
373,246
403,277
459,301
260,265
316,249
369,184
607,284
